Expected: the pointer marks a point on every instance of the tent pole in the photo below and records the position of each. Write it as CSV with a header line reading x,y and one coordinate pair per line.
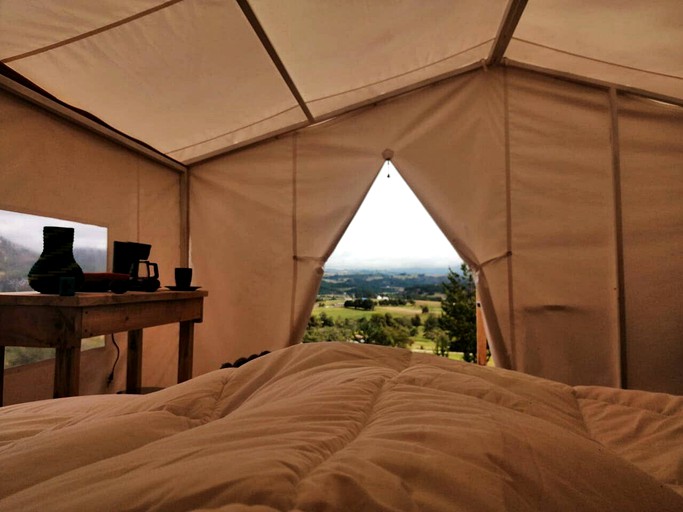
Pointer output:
x,y
481,333
265,41
508,224
185,219
619,237
506,31
2,375
295,241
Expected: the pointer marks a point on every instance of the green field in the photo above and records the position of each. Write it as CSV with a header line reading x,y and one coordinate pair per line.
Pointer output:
x,y
336,309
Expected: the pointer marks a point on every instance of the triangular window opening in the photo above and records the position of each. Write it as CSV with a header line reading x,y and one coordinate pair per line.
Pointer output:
x,y
383,283
392,230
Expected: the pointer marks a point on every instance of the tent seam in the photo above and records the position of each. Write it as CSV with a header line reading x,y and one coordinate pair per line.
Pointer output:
x,y
361,427
618,239
170,152
508,211
414,70
94,32
362,424
295,241
623,66
233,131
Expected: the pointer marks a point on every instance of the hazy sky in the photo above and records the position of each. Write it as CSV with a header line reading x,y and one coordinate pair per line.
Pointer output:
x,y
27,230
392,229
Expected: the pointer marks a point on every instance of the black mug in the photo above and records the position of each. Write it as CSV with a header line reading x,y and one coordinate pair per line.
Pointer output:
x,y
183,278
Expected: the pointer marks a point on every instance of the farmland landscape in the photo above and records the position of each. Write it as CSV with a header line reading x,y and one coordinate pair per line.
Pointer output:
x,y
400,308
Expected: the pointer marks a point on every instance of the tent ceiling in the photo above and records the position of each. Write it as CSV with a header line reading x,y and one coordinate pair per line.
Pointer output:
x,y
193,78
627,42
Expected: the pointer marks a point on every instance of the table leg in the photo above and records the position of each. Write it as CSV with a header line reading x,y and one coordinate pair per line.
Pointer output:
x,y
134,362
2,374
67,370
185,349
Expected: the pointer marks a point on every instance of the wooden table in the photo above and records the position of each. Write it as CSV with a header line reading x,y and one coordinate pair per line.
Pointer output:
x,y
31,319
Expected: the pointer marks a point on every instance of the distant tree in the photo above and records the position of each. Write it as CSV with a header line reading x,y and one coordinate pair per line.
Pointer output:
x,y
389,319
403,321
416,321
341,322
376,331
313,321
392,302
327,334
364,304
362,292
425,310
458,319
432,322
441,342
326,320
400,336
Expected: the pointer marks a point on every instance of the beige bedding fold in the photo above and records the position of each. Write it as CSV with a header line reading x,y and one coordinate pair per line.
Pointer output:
x,y
346,427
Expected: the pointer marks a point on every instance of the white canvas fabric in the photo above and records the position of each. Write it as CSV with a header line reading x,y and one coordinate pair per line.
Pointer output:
x,y
651,141
29,27
302,191
631,43
192,77
186,87
401,43
520,170
517,170
562,223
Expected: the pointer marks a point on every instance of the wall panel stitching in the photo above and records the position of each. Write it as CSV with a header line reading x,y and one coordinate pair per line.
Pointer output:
x,y
508,214
91,33
295,248
618,238
185,219
137,219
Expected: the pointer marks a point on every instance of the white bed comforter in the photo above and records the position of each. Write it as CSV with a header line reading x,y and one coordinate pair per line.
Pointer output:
x,y
347,427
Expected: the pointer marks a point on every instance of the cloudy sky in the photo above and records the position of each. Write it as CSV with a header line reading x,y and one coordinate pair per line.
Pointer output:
x,y
392,230
27,230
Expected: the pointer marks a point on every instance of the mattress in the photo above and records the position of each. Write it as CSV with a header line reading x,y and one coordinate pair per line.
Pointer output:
x,y
348,427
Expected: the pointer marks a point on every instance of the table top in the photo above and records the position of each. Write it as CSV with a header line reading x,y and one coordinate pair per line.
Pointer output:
x,y
83,299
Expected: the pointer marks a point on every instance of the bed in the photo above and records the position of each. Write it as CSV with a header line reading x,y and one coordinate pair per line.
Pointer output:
x,y
348,427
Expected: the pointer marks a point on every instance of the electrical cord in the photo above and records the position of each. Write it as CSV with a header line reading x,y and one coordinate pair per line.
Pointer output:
x,y
118,353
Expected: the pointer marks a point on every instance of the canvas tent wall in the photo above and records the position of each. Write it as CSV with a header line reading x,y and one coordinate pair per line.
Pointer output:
x,y
519,172
52,168
562,192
